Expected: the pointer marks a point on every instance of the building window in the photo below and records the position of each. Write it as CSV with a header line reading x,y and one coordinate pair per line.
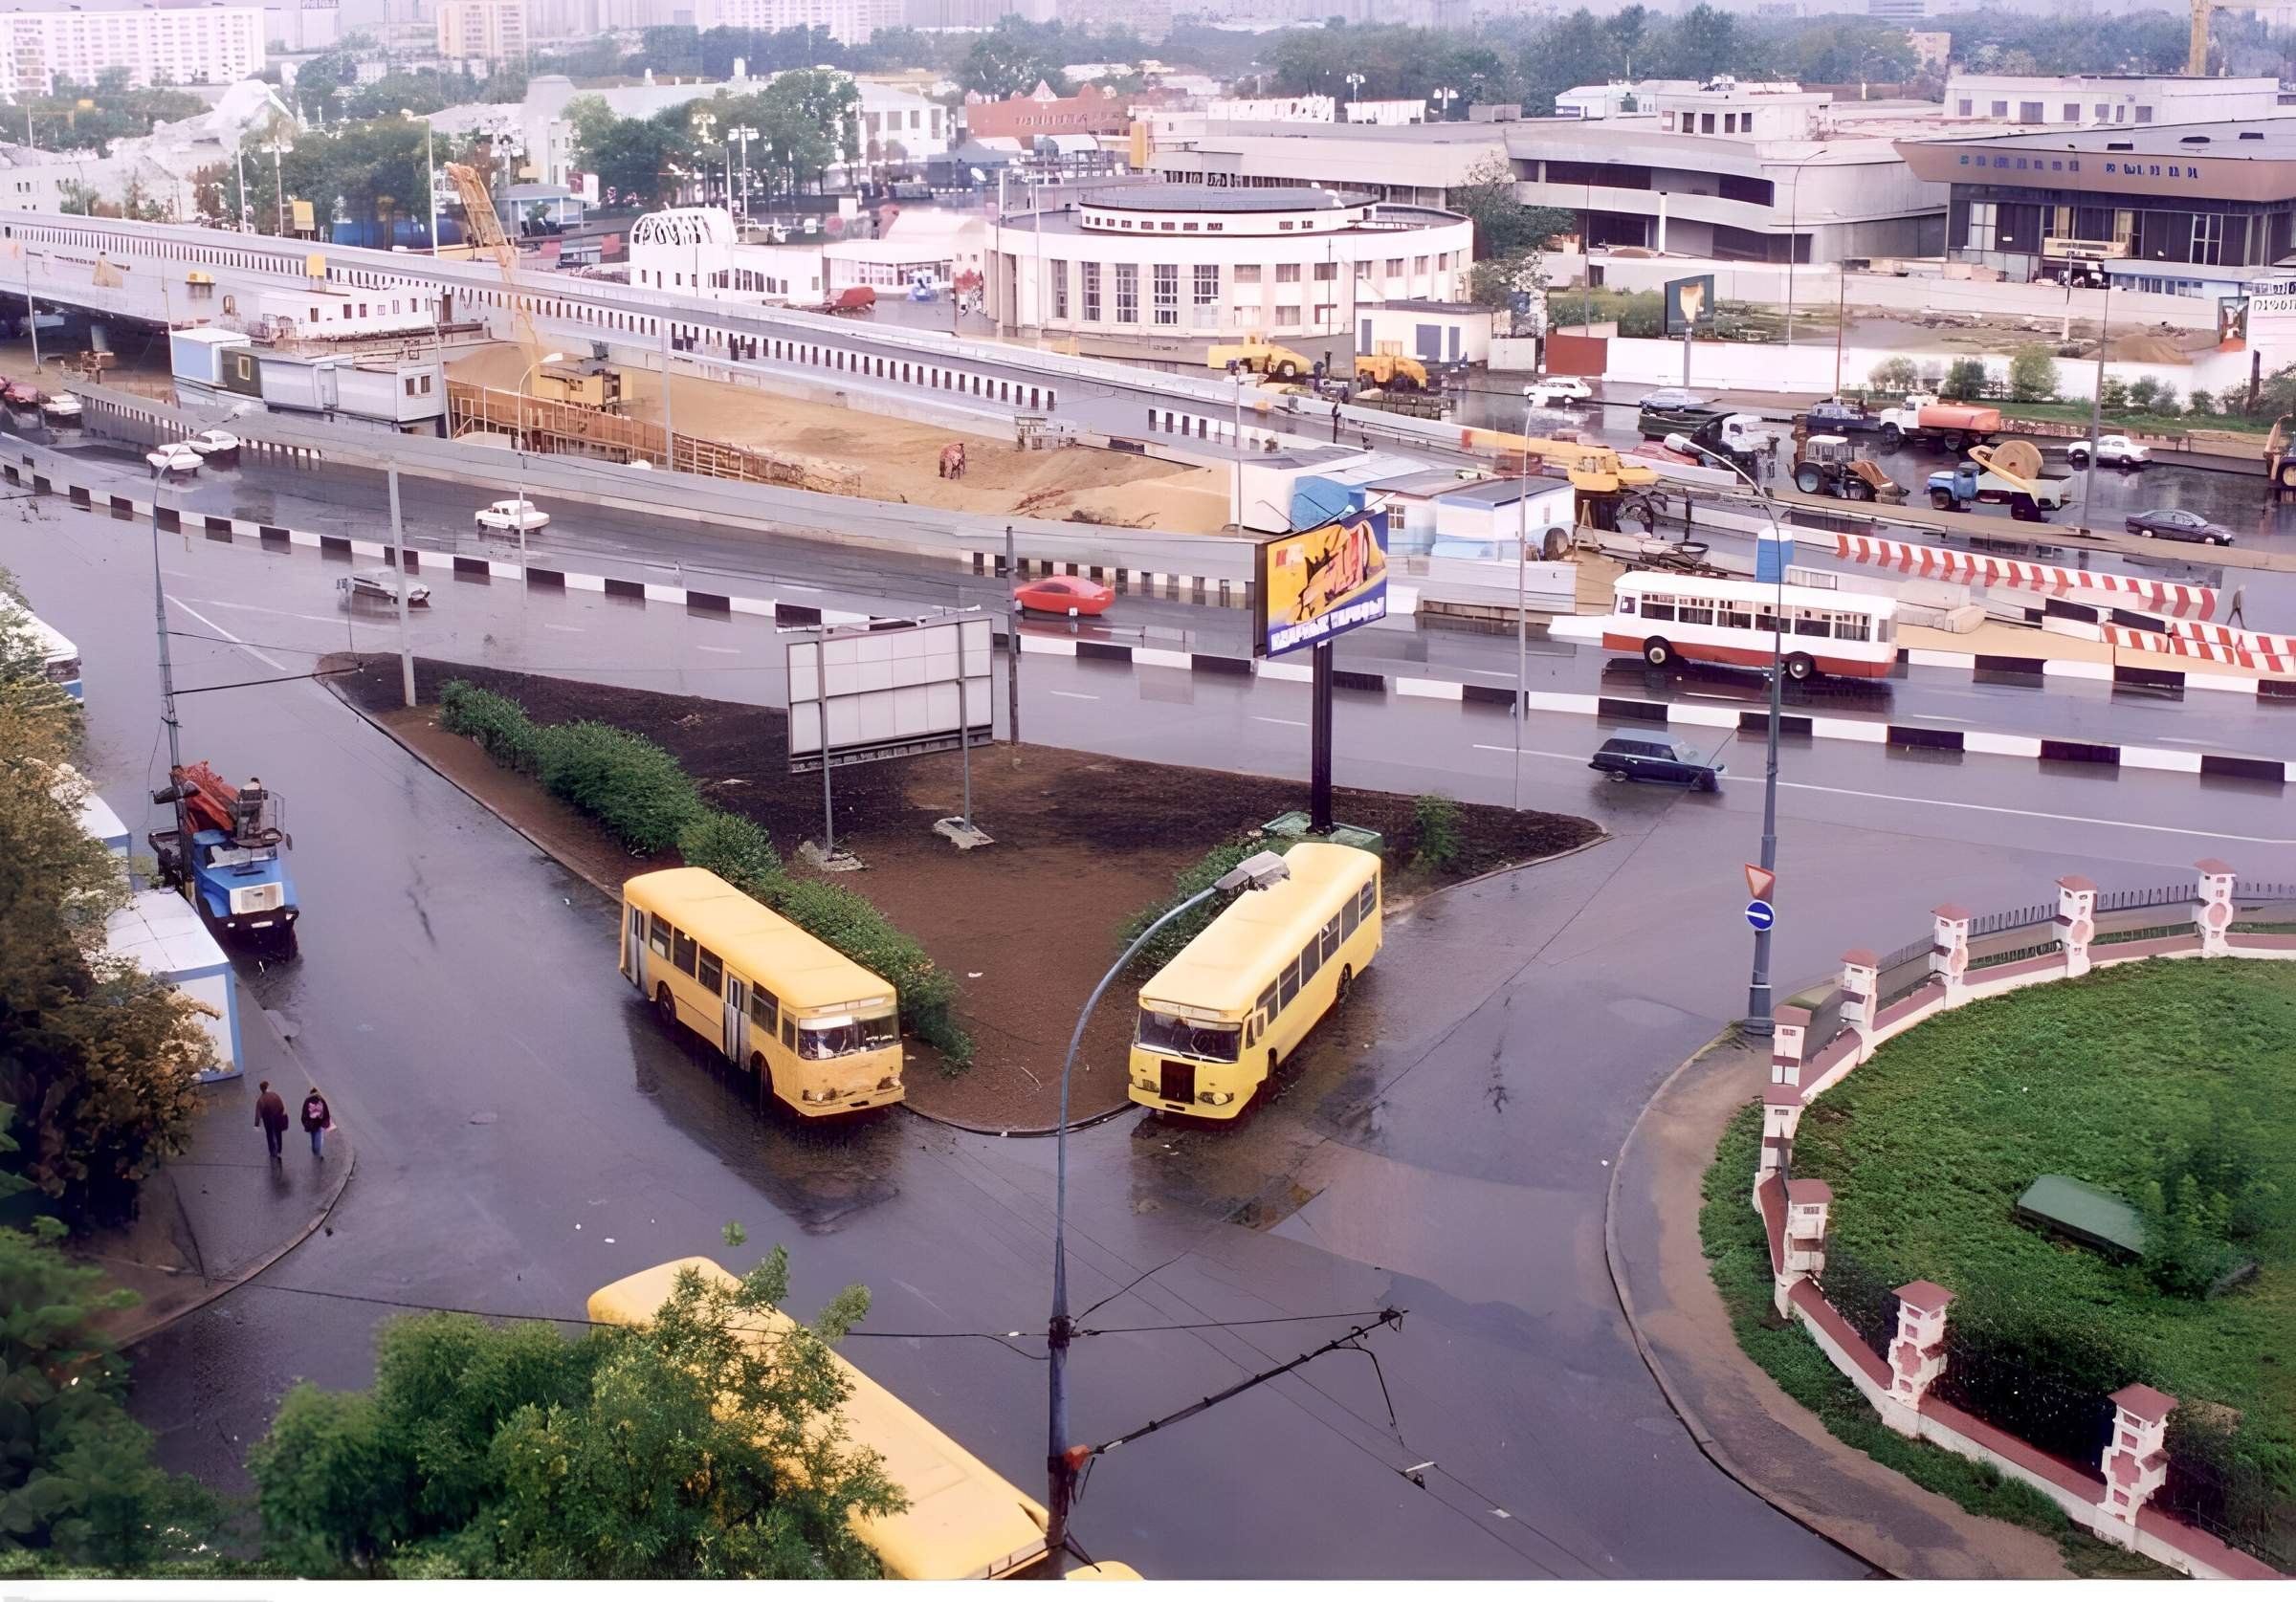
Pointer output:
x,y
1060,290
1980,234
2001,108
1419,265
1207,295
1286,225
1248,273
1706,123
1363,272
1128,291
2072,111
2144,114
1287,317
1965,109
1326,272
1166,289
1395,266
1092,291
1287,272
2028,111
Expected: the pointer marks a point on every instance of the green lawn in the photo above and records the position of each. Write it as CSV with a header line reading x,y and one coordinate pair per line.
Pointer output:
x,y
1928,1147
2133,421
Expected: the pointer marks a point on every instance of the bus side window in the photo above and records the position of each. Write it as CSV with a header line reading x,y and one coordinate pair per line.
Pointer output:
x,y
1369,898
1328,939
1252,1030
683,951
659,938
1309,963
1350,919
1267,1004
709,971
790,1031
1289,982
764,1009
1658,610
1627,604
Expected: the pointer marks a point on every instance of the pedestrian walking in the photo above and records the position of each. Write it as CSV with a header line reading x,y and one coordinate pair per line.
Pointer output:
x,y
270,1113
317,1120
1335,421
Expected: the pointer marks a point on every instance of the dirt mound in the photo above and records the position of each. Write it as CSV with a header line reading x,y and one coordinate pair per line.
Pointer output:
x,y
2149,347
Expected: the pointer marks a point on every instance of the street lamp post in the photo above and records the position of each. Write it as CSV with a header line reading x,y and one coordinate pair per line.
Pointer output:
x,y
1759,1021
1235,384
430,175
1355,88
518,509
1522,613
2096,400
276,149
1255,872
744,136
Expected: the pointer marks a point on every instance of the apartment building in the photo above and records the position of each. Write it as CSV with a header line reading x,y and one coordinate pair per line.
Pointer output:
x,y
850,22
489,30
2120,100
156,44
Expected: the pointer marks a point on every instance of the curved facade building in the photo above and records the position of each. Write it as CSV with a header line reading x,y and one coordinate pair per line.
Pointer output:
x,y
1190,262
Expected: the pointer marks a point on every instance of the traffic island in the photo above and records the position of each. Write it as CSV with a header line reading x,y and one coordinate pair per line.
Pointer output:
x,y
1026,929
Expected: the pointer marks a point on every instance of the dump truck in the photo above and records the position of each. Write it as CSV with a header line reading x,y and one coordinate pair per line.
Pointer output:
x,y
1738,436
2006,475
1829,465
1257,355
1946,424
2280,453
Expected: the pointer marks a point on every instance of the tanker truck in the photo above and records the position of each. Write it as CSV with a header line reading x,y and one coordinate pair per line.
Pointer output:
x,y
1941,425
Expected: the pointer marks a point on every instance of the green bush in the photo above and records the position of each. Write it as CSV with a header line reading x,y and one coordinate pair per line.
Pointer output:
x,y
2032,374
848,920
630,785
1198,876
2149,394
1964,380
734,849
2201,404
1897,375
2113,396
1436,833
497,723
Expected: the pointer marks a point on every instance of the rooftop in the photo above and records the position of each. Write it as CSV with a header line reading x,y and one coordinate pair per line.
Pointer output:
x,y
1206,197
2269,139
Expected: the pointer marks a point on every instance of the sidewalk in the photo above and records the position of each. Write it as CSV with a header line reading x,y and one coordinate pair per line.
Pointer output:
x,y
220,1213
1735,1412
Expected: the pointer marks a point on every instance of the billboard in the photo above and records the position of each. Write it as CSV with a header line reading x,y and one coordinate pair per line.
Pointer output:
x,y
2232,320
1690,304
1316,585
2271,321
890,689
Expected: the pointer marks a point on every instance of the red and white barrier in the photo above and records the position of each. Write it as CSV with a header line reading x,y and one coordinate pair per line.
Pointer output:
x,y
2264,654
1937,561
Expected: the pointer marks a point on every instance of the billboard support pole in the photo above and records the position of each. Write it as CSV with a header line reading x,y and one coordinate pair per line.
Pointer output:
x,y
1012,651
964,729
1319,760
1686,355
829,812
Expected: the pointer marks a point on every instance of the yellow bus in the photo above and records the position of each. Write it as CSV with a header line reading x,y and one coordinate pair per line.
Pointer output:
x,y
824,1031
963,1522
1217,1020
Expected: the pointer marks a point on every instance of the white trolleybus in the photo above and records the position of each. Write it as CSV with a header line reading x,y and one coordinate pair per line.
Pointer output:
x,y
1662,616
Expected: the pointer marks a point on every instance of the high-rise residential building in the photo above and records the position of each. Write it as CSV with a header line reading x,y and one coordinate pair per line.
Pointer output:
x,y
848,22
170,44
482,30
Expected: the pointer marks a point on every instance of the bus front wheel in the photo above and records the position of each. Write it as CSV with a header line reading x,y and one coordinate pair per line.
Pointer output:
x,y
1347,982
1799,667
665,1007
757,1063
1657,653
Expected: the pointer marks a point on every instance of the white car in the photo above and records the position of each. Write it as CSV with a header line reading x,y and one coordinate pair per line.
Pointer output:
x,y
1557,391
510,517
2114,451
175,458
216,446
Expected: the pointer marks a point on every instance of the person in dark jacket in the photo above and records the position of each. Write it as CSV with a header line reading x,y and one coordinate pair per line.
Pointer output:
x,y
270,1113
317,1119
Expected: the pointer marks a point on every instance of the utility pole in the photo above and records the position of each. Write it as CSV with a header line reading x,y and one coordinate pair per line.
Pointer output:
x,y
2096,400
159,609
398,553
1522,613
1840,318
669,427
32,313
1012,653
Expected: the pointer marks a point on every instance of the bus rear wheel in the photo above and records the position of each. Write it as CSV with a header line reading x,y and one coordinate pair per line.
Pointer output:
x,y
1799,667
1657,653
665,1007
1347,982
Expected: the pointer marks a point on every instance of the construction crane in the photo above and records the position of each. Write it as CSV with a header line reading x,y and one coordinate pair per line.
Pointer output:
x,y
1596,472
479,215
2196,64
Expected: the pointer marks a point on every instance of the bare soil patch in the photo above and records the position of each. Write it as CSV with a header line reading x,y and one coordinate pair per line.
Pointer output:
x,y
899,461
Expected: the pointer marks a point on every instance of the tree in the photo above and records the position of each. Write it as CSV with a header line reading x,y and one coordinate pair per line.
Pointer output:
x,y
2033,373
1504,228
695,1448
1964,380
1895,375
1013,58
1701,45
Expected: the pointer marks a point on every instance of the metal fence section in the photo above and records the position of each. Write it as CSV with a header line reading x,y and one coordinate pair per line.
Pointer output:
x,y
2038,1403
1864,1295
2215,1484
2160,895
1993,923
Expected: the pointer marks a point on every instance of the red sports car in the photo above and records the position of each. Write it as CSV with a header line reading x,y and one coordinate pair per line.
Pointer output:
x,y
1067,598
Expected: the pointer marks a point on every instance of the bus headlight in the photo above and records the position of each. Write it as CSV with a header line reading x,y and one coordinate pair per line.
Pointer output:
x,y
1216,1098
817,1097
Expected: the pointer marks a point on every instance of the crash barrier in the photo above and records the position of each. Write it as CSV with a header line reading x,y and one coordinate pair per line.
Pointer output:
x,y
1896,1359
1217,568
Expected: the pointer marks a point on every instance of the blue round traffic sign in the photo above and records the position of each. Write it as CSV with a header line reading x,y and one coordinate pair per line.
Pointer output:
x,y
1760,915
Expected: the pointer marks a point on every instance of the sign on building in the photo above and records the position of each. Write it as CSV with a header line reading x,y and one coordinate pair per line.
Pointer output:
x,y
889,689
2271,326
1315,585
1690,304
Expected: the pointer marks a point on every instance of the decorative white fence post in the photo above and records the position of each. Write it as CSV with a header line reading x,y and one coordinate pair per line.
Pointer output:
x,y
1948,951
2212,915
1807,1202
1860,989
2136,1459
1781,1117
1789,1040
2076,921
1917,1353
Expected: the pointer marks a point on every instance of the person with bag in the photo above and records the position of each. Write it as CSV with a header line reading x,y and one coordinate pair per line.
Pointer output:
x,y
317,1120
271,1113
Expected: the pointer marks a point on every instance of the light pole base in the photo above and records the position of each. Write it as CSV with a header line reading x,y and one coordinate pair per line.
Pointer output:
x,y
1757,1028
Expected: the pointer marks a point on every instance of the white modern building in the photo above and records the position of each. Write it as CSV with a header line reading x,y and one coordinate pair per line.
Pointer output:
x,y
694,249
850,22
156,44
1385,114
1197,262
897,125
488,30
157,174
2116,101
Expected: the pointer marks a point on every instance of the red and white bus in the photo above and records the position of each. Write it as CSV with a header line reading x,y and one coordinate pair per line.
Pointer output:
x,y
1662,616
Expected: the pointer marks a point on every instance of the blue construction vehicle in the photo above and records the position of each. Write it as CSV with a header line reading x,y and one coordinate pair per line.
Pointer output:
x,y
227,855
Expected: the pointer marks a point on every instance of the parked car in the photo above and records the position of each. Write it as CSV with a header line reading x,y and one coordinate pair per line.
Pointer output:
x,y
2114,451
381,584
1672,400
509,516
173,459
1837,416
1658,760
1556,391
215,446
1067,597
2174,523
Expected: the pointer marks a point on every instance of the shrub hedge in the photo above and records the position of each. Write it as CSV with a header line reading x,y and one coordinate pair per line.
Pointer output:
x,y
640,795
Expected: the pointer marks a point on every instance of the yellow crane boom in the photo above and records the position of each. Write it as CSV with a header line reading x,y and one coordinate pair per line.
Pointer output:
x,y
2196,64
1594,469
486,229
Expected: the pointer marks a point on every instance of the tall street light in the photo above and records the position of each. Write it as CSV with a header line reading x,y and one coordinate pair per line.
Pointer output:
x,y
517,511
1759,1021
744,136
1256,873
1355,88
430,175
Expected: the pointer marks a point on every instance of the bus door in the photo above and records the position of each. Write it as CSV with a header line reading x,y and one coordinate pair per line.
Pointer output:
x,y
634,947
736,1022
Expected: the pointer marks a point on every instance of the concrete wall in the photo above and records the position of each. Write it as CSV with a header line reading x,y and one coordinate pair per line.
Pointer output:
x,y
1810,369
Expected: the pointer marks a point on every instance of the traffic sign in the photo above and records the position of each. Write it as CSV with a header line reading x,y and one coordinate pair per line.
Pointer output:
x,y
1760,913
1759,882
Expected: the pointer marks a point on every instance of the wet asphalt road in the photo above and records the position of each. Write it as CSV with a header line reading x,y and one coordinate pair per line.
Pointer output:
x,y
806,573
1441,1147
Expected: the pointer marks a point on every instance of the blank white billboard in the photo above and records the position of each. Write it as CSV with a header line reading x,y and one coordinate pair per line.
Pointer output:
x,y
891,690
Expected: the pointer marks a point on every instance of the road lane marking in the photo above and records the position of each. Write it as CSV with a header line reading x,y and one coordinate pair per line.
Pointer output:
x,y
1288,722
563,627
273,611
719,650
1075,695
272,663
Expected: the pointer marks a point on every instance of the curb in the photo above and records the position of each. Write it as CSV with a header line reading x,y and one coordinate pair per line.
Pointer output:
x,y
1709,1445
130,1333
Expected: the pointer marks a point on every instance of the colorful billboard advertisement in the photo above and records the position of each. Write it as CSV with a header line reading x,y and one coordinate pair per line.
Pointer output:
x,y
1316,585
1691,304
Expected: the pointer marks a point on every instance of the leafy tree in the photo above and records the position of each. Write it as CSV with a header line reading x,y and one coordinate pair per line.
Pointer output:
x,y
2033,373
695,1448
1895,375
1011,58
374,169
1964,380
1702,43
1504,228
